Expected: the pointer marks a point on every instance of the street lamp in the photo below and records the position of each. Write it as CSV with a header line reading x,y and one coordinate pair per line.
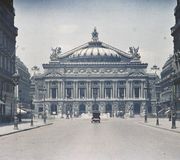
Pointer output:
x,y
44,108
157,113
145,109
173,107
15,79
32,112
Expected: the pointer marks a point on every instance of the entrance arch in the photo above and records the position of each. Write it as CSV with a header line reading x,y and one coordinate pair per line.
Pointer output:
x,y
95,108
136,108
108,109
53,109
82,109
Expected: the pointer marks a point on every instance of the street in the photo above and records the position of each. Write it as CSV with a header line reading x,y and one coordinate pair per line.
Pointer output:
x,y
78,139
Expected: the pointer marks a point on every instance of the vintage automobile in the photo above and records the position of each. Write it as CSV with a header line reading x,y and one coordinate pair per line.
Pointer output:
x,y
95,117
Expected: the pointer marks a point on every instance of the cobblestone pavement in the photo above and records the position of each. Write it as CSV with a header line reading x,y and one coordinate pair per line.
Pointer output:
x,y
78,139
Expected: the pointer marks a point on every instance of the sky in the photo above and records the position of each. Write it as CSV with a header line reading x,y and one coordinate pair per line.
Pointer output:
x,y
46,24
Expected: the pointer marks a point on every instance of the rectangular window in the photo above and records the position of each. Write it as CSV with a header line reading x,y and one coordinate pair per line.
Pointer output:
x,y
95,92
82,92
108,92
136,92
54,92
69,93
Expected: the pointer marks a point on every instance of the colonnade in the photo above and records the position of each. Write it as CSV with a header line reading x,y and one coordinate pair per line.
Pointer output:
x,y
128,87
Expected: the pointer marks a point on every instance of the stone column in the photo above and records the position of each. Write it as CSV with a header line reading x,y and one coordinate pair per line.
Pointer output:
x,y
90,96
74,89
130,90
141,89
59,90
127,89
63,89
48,89
100,90
50,93
103,89
115,89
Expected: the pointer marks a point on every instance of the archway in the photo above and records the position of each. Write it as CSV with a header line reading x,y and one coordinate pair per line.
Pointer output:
x,y
136,108
95,108
108,109
53,109
82,109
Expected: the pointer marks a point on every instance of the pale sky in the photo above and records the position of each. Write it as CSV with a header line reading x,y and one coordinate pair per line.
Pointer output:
x,y
43,24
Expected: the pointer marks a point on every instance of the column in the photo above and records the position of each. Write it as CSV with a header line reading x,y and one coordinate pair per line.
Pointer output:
x,y
127,89
63,89
90,96
50,93
130,90
113,89
48,89
102,89
87,90
142,89
59,90
74,89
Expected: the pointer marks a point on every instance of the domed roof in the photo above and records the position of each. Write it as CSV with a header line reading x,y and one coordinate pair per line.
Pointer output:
x,y
94,51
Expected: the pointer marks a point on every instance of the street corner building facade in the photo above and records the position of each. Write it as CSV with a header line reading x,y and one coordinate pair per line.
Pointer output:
x,y
8,33
24,99
175,32
95,77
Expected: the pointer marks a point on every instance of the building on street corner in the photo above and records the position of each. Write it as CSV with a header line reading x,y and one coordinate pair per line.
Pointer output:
x,y
166,84
8,33
24,84
95,77
175,32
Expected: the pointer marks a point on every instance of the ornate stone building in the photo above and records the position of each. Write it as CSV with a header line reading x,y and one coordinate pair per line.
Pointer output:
x,y
166,84
95,76
23,85
8,33
175,32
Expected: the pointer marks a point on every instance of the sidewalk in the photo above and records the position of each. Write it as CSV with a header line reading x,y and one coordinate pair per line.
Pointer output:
x,y
23,126
164,124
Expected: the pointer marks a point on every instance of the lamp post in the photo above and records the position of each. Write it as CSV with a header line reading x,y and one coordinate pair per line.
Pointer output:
x,y
44,108
157,113
15,79
173,107
32,113
145,109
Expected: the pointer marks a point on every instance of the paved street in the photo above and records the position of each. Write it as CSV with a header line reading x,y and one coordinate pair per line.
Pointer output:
x,y
78,139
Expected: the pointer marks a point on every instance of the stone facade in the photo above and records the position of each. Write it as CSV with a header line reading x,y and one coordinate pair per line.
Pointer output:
x,y
95,76
175,32
166,83
24,84
8,33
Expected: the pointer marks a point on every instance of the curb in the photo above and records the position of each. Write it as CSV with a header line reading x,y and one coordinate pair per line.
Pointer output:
x,y
27,129
171,130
